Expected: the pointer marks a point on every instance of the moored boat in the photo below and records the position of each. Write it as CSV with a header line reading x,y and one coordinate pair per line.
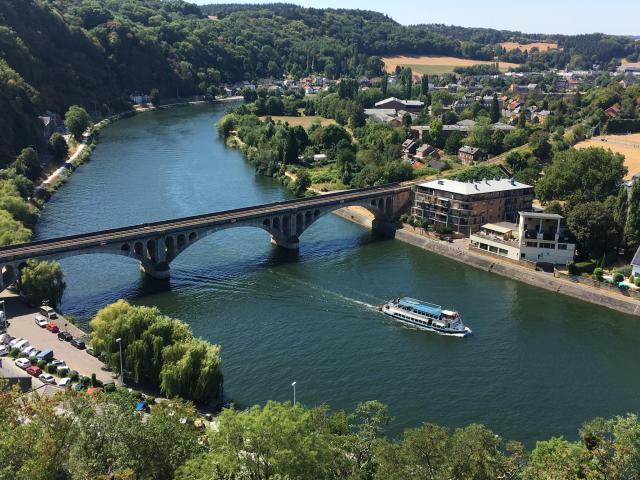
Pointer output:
x,y
425,316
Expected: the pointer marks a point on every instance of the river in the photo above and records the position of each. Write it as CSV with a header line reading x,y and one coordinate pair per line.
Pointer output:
x,y
538,364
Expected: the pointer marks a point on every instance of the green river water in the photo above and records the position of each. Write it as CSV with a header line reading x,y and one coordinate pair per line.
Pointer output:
x,y
538,364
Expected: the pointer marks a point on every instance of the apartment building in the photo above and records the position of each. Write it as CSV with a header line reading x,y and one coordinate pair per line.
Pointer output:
x,y
465,206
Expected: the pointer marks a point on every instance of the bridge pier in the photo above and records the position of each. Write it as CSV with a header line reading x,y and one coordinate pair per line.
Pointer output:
x,y
384,227
290,243
159,271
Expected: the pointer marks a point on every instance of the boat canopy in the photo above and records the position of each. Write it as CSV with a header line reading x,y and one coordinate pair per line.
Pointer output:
x,y
421,307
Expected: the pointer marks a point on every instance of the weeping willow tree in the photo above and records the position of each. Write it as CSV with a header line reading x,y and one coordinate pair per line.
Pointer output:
x,y
42,281
159,351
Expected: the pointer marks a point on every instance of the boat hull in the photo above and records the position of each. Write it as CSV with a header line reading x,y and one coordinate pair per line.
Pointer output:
x,y
428,328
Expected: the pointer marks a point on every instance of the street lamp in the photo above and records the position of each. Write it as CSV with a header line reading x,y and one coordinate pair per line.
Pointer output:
x,y
294,392
119,342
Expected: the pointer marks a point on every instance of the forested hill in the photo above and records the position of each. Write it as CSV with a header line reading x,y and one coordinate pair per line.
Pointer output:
x,y
55,53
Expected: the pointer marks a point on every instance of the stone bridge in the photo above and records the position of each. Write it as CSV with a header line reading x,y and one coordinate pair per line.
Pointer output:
x,y
156,245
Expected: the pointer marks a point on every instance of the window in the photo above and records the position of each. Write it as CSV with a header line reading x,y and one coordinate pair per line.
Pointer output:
x,y
502,251
562,246
532,244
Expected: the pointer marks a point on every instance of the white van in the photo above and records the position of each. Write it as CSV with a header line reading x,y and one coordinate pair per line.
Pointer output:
x,y
15,341
47,312
21,345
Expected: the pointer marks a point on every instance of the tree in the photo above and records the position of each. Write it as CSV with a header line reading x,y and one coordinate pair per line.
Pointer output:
x,y
192,370
495,109
556,458
58,146
42,281
154,97
27,163
77,120
385,84
631,225
12,231
522,119
539,144
275,106
588,174
593,226
424,85
301,183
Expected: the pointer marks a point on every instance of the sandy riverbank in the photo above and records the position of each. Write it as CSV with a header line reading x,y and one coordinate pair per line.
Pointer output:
x,y
459,252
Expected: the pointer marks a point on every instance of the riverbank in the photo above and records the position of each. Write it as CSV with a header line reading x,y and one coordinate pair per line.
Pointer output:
x,y
458,251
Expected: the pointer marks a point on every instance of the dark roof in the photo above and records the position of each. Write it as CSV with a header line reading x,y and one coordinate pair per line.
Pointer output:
x,y
437,164
469,150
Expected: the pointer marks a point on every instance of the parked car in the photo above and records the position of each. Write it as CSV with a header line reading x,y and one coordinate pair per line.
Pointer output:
x,y
23,363
47,378
29,350
65,382
52,327
92,352
46,355
79,344
59,363
79,386
5,339
48,312
66,336
33,370
21,345
13,342
3,351
41,321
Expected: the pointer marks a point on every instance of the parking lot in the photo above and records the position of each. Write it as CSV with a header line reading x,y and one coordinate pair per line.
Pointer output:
x,y
22,325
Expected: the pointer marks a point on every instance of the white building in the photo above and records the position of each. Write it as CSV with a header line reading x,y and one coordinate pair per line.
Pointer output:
x,y
537,237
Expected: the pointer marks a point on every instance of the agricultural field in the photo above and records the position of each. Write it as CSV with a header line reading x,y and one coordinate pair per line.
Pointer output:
x,y
627,63
304,122
627,145
436,65
542,46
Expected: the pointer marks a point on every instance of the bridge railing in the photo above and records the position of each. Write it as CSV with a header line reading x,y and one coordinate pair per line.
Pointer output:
x,y
160,223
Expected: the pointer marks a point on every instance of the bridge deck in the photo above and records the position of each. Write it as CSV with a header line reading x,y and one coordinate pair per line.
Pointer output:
x,y
17,252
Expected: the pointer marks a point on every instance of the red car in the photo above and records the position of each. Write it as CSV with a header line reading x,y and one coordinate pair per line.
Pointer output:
x,y
52,327
33,370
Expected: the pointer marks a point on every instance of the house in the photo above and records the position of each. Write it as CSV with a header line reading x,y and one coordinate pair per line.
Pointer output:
x,y
438,165
383,115
537,237
468,155
419,132
525,90
412,106
613,111
635,264
409,147
466,206
542,116
427,151
459,105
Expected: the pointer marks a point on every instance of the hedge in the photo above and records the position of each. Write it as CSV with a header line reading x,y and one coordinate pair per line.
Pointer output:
x,y
623,125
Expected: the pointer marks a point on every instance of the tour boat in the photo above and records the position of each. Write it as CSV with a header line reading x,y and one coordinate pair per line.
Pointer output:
x,y
425,316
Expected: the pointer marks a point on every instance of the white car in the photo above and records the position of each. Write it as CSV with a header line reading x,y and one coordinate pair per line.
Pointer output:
x,y
3,351
15,341
65,382
31,350
59,363
41,321
47,378
23,363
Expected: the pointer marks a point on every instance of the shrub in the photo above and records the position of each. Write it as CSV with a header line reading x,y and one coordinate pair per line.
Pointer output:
x,y
85,380
42,364
404,217
14,352
597,272
618,277
52,369
584,267
74,376
637,281
625,271
33,359
110,388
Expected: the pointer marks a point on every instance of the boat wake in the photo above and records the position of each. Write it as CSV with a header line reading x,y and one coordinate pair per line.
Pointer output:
x,y
325,291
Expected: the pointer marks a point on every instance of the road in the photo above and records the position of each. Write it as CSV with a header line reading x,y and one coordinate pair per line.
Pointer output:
x,y
57,245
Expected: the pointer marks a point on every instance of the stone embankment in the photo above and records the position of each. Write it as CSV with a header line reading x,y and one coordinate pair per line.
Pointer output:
x,y
459,251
